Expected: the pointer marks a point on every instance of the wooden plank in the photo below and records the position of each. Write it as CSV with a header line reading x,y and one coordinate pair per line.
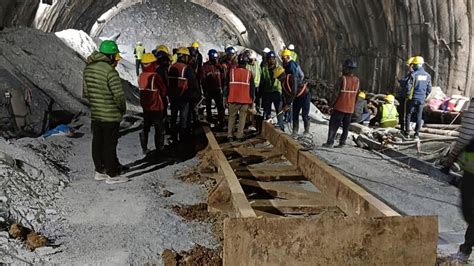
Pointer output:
x,y
331,241
311,206
238,200
267,214
282,191
266,153
268,174
249,142
288,146
352,198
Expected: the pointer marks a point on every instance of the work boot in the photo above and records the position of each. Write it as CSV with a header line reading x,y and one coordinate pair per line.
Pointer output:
x,y
117,179
328,145
306,127
144,142
296,128
100,176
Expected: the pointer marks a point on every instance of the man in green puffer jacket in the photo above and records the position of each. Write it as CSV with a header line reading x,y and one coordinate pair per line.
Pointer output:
x,y
103,88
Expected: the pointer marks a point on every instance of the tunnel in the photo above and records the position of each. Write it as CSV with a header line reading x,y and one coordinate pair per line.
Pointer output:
x,y
379,35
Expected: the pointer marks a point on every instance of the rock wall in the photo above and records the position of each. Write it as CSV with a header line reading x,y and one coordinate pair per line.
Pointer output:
x,y
17,12
380,35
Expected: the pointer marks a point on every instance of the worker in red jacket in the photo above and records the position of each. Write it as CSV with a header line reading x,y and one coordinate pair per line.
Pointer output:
x,y
153,101
240,96
212,80
348,87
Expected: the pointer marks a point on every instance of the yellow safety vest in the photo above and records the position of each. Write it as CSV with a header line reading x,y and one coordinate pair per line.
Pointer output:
x,y
139,51
389,115
466,159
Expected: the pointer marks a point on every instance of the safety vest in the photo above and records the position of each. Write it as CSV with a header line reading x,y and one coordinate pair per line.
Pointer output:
x,y
389,116
150,97
466,159
239,86
294,56
212,73
288,85
346,99
270,86
256,72
178,84
139,51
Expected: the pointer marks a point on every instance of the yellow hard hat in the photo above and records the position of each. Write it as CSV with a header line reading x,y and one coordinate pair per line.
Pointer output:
x,y
183,50
390,98
362,94
418,60
118,57
195,44
410,60
286,52
163,48
148,58
279,70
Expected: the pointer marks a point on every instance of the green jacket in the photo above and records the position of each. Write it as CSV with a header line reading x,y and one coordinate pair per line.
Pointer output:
x,y
102,86
256,72
268,83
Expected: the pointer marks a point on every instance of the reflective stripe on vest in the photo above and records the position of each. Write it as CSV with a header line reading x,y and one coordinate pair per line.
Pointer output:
x,y
239,86
389,115
288,88
143,81
466,159
179,82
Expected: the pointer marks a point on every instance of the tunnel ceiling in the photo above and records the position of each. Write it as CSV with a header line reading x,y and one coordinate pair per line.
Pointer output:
x,y
380,35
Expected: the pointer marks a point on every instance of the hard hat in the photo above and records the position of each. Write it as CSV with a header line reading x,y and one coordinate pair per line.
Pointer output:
x,y
279,70
418,60
286,52
291,47
109,47
148,58
213,53
271,54
183,51
161,54
139,43
266,50
243,59
252,54
230,50
362,94
348,63
195,44
163,48
118,57
390,98
410,60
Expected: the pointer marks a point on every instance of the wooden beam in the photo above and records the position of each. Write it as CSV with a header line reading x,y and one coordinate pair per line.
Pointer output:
x,y
249,142
238,199
330,241
268,174
311,206
266,153
286,192
284,143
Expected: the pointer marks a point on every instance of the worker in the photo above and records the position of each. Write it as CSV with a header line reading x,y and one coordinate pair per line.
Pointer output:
x,y
387,115
152,99
103,89
196,63
239,95
296,95
183,88
162,48
402,93
212,80
174,57
419,87
271,88
196,57
228,61
265,51
254,67
348,87
294,55
466,159
361,111
138,52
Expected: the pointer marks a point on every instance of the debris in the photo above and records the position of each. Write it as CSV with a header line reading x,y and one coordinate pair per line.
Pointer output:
x,y
192,212
35,240
198,255
167,193
19,232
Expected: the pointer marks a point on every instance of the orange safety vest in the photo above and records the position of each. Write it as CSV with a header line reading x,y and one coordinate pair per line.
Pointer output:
x,y
288,87
151,89
178,84
239,86
346,99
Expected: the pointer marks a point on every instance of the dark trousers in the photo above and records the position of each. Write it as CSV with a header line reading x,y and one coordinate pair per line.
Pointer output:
x,y
179,109
401,115
335,122
138,65
155,119
105,137
301,104
215,95
414,106
269,98
467,198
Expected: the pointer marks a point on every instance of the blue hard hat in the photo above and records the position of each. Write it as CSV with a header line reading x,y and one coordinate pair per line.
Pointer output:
x,y
213,53
230,50
271,54
349,64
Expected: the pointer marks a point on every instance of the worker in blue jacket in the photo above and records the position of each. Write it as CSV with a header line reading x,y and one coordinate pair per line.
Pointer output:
x,y
418,88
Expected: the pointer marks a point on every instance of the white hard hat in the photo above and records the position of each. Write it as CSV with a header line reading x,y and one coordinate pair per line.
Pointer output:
x,y
291,47
139,43
266,50
253,55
